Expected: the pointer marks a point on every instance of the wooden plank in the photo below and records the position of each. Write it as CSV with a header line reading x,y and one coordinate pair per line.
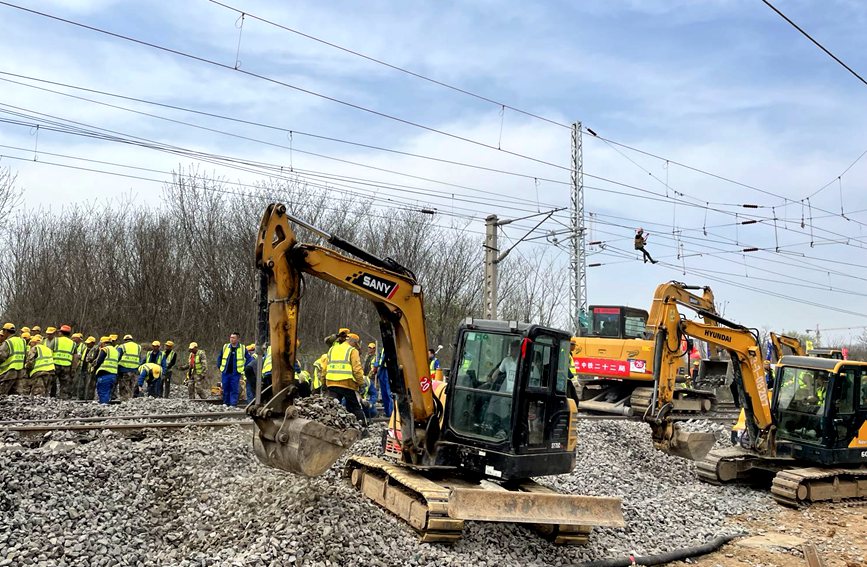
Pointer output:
x,y
811,556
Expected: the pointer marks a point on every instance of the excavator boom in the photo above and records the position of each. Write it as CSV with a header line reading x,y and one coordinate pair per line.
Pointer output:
x,y
308,447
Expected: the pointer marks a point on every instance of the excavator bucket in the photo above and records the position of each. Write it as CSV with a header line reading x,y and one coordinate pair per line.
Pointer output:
x,y
692,445
294,444
300,446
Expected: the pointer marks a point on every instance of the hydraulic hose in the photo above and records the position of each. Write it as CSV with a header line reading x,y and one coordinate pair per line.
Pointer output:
x,y
663,558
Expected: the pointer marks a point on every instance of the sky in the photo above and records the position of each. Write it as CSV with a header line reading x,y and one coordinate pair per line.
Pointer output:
x,y
699,108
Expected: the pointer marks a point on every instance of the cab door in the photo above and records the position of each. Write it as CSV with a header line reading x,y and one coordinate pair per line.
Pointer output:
x,y
845,413
542,412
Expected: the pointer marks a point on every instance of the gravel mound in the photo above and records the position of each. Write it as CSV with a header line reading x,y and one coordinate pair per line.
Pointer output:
x,y
326,410
31,408
199,497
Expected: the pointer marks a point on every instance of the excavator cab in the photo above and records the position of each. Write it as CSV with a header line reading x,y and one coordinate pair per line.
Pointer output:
x,y
508,413
819,406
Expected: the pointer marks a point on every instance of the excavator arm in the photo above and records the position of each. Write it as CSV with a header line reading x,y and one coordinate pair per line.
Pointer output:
x,y
748,370
780,342
294,444
681,293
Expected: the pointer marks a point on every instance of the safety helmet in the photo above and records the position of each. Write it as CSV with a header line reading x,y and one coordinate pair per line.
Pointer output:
x,y
25,335
36,329
77,336
343,331
50,330
9,327
194,345
66,328
127,337
105,339
251,347
156,343
90,340
170,344
35,340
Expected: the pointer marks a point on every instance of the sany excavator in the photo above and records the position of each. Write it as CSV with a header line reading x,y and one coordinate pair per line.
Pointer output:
x,y
614,364
810,438
465,450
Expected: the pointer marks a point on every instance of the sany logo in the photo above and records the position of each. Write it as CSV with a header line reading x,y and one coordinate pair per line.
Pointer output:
x,y
377,285
425,383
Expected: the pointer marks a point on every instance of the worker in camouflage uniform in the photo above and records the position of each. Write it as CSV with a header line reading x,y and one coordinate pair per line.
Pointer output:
x,y
39,367
12,353
196,367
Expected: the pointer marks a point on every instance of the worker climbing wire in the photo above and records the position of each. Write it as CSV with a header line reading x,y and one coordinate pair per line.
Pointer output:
x,y
641,242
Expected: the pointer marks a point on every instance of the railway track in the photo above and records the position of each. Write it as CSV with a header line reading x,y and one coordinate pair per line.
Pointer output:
x,y
128,422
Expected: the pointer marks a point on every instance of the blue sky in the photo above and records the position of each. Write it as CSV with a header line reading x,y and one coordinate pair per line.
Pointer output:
x,y
721,85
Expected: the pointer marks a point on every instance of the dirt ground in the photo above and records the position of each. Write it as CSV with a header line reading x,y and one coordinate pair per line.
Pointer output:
x,y
839,533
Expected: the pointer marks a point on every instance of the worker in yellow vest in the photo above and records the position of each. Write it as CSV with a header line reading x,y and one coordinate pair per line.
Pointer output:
x,y
129,353
170,358
196,367
151,373
40,364
345,374
319,369
267,366
231,360
64,359
106,368
13,351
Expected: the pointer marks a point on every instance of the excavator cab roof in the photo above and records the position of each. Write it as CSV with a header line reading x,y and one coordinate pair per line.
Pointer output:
x,y
815,363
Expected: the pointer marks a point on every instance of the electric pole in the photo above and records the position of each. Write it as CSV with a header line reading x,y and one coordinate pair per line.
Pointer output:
x,y
578,262
493,256
491,251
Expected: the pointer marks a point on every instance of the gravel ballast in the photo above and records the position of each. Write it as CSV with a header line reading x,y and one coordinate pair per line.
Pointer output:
x,y
198,496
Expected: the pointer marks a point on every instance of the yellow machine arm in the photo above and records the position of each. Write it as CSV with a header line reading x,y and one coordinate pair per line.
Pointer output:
x,y
392,289
677,292
748,368
792,343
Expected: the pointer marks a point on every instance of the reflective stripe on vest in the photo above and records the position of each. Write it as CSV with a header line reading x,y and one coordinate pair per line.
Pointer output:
x,y
239,358
17,354
200,365
150,355
64,348
319,368
109,364
44,360
131,355
339,365
170,357
266,366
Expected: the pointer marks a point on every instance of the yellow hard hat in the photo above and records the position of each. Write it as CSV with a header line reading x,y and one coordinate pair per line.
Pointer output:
x,y
25,335
127,337
155,343
112,337
170,343
353,336
251,347
156,370
77,336
35,340
25,329
371,345
194,345
343,331
50,330
90,340
105,339
9,327
36,329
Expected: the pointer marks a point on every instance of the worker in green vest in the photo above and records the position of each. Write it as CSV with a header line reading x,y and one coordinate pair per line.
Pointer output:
x,y
170,358
345,374
105,368
13,351
196,367
39,365
129,353
64,358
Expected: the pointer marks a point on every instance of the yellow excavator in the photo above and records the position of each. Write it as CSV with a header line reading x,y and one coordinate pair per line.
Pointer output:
x,y
463,450
809,437
614,363
785,345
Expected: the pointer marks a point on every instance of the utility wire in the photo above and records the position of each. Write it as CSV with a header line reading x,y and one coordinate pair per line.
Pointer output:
x,y
816,43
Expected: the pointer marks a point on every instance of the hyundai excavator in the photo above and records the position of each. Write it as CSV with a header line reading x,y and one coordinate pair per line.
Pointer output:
x,y
614,364
462,450
809,437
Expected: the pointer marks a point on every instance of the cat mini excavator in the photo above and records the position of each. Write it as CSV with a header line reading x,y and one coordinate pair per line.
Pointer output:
x,y
810,437
464,450
614,364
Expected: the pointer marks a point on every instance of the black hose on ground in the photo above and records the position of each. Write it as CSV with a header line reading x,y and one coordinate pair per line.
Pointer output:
x,y
663,558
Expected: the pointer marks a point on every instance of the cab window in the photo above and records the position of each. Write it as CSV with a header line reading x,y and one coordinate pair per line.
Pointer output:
x,y
540,362
606,322
634,327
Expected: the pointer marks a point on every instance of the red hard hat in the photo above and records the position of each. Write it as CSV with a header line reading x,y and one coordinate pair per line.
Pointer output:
x,y
66,328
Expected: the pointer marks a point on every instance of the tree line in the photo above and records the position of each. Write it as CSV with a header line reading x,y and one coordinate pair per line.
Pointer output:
x,y
184,269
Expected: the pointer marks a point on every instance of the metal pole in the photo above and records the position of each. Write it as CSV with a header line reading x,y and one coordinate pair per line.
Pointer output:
x,y
491,252
578,262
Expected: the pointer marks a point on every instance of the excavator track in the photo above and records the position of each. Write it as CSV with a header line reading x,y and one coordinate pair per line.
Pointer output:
x,y
419,501
435,508
797,487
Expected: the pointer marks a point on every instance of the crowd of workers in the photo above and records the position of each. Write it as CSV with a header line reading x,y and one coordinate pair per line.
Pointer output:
x,y
66,365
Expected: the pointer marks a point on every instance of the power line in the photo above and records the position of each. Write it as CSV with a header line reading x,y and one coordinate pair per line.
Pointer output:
x,y
392,66
272,80
817,44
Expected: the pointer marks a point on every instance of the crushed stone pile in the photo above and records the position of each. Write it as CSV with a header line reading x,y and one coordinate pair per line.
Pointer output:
x,y
325,410
199,497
